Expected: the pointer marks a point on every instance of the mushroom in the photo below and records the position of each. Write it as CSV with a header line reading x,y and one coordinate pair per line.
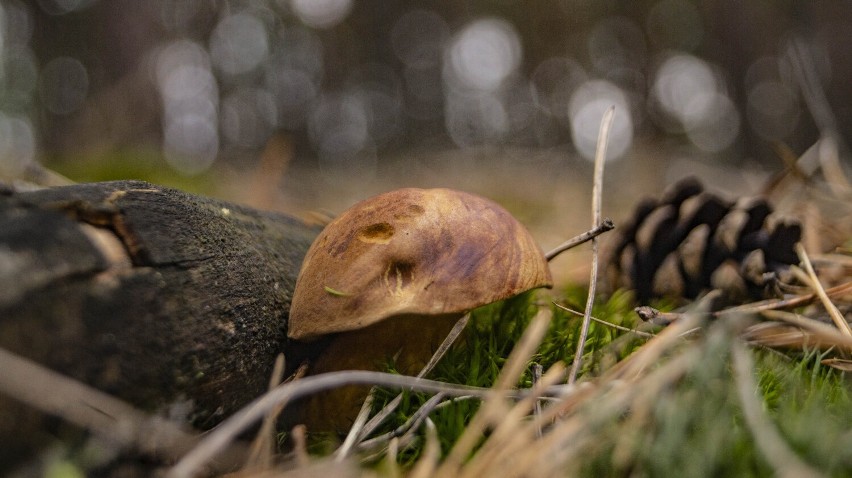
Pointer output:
x,y
391,275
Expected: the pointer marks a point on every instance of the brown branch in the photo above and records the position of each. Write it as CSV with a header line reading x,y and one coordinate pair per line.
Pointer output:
x,y
604,226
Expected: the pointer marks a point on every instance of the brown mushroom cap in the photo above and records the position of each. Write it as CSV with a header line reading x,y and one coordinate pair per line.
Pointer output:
x,y
412,251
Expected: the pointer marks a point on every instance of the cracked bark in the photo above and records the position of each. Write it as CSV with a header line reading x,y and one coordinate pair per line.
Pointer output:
x,y
174,302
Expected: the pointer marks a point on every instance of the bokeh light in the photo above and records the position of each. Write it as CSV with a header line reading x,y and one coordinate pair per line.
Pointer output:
x,y
339,129
353,84
17,144
418,38
553,82
191,143
19,75
773,110
475,120
190,96
64,84
692,100
248,117
19,81
293,74
684,87
239,44
586,109
718,127
321,13
482,55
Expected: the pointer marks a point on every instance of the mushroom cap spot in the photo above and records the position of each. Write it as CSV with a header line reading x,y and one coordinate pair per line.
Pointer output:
x,y
412,251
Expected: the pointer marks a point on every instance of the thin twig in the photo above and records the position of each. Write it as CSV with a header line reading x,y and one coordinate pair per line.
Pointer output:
x,y
780,456
655,316
604,226
437,402
608,324
600,159
407,430
835,314
412,423
380,417
217,440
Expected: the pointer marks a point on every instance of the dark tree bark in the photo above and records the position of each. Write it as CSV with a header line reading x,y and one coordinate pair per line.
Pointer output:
x,y
173,302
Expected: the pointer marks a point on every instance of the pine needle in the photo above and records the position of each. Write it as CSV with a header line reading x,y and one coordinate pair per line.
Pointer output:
x,y
835,314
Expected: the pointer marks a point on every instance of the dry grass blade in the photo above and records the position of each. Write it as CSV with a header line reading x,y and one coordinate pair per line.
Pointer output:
x,y
263,448
835,314
392,468
436,357
565,441
299,435
107,417
312,470
776,451
775,304
832,167
822,334
597,193
494,408
427,463
357,427
510,426
779,335
844,365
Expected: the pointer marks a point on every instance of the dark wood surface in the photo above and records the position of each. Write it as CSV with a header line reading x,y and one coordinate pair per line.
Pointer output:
x,y
173,302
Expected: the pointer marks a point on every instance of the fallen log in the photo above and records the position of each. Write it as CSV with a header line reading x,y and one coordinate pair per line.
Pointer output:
x,y
173,302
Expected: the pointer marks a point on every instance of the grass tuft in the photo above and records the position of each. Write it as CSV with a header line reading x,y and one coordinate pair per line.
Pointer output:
x,y
690,424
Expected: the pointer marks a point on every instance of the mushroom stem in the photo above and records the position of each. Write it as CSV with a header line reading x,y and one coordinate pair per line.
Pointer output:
x,y
406,341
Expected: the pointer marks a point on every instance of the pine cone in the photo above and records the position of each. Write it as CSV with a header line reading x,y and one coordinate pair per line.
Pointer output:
x,y
692,241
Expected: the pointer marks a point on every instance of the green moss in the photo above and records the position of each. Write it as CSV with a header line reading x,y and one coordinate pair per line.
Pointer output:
x,y
693,428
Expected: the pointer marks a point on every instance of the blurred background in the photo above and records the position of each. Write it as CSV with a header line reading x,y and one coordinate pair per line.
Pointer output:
x,y
312,104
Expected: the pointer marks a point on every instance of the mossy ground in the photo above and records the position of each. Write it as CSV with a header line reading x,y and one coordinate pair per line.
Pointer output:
x,y
693,426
